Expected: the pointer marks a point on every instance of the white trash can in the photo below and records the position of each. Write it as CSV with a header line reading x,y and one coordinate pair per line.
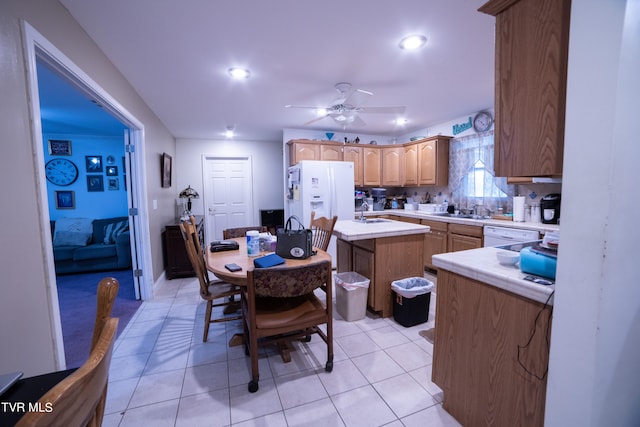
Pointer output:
x,y
351,295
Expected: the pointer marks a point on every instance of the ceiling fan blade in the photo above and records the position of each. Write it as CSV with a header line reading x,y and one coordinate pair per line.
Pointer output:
x,y
366,92
357,121
303,106
317,119
387,110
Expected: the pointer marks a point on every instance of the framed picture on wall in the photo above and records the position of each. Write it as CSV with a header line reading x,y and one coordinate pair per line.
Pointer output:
x,y
112,171
113,183
94,164
65,199
95,183
59,147
166,170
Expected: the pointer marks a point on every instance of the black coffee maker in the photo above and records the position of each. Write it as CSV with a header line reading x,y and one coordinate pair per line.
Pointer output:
x,y
550,208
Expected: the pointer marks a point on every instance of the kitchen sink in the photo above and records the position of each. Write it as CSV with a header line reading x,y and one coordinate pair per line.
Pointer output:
x,y
466,216
371,221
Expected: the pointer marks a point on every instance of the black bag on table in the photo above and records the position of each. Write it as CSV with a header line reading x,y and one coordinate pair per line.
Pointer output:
x,y
294,244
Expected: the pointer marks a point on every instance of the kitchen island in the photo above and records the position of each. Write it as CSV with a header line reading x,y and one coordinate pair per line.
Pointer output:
x,y
491,346
381,250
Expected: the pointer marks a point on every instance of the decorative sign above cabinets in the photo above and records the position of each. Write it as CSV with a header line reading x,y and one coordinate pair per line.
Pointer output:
x,y
459,128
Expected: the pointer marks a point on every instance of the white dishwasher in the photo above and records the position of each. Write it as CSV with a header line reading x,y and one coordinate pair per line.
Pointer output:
x,y
499,236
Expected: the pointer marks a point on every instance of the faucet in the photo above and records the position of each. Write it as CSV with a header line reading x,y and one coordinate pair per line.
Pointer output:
x,y
363,207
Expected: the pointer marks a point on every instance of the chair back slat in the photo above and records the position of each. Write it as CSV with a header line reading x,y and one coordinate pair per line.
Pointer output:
x,y
322,229
196,255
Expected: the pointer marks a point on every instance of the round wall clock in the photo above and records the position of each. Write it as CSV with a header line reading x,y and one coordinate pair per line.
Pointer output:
x,y
61,172
483,121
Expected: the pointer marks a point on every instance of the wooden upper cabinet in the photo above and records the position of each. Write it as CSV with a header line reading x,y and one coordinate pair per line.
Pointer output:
x,y
371,165
331,152
308,150
353,153
532,43
411,164
393,166
433,161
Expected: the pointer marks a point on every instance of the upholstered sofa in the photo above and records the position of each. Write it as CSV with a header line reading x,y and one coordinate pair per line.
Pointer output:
x,y
83,244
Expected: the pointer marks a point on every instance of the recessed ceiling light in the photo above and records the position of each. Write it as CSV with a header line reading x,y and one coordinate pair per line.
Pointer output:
x,y
230,131
239,73
401,121
413,42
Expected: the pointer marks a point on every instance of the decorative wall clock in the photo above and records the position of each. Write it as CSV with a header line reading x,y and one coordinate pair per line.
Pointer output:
x,y
483,121
61,172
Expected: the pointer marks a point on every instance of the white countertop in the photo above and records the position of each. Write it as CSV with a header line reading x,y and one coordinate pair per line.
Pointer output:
x,y
482,265
354,230
537,226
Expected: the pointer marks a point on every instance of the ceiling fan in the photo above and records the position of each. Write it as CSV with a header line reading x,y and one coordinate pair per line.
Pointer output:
x,y
344,109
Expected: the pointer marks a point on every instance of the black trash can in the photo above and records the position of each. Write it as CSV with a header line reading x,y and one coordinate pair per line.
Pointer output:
x,y
412,299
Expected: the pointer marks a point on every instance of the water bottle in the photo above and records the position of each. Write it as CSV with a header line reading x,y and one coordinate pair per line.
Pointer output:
x,y
253,243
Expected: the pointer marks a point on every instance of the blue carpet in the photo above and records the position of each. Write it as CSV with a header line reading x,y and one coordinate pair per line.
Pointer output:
x,y
77,299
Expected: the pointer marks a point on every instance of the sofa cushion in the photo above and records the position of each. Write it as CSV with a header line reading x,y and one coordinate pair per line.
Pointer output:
x,y
113,230
72,231
94,251
99,226
64,253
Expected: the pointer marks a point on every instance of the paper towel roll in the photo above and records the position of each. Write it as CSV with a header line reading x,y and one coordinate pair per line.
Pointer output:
x,y
518,209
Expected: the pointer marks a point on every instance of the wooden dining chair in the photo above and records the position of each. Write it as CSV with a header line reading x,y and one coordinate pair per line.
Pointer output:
x,y
210,290
232,233
322,229
106,297
279,305
79,399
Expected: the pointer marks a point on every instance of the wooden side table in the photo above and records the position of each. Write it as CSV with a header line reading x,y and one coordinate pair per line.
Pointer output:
x,y
176,260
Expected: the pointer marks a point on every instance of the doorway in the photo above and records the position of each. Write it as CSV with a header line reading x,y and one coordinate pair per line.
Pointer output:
x,y
39,50
228,194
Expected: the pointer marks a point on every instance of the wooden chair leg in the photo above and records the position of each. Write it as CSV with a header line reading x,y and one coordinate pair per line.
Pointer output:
x,y
255,373
285,351
207,321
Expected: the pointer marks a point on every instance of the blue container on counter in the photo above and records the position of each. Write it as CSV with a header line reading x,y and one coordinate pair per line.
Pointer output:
x,y
534,263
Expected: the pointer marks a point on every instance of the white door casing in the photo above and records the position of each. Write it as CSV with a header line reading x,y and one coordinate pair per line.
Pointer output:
x,y
228,194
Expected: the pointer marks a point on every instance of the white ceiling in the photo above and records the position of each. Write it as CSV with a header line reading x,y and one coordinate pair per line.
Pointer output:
x,y
176,56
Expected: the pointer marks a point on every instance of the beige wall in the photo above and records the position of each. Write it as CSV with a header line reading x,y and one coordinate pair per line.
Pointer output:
x,y
26,330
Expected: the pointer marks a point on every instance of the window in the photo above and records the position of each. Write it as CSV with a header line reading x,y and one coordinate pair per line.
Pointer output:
x,y
479,183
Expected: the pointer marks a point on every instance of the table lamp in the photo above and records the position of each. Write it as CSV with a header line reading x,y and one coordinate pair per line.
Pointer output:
x,y
188,193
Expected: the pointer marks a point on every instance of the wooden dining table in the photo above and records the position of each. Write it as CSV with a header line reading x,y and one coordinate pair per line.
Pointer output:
x,y
216,262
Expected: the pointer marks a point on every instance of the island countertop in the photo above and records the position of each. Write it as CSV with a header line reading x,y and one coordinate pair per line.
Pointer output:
x,y
355,230
482,265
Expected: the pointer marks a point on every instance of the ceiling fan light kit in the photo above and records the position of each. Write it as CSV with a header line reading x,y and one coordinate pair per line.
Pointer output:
x,y
343,110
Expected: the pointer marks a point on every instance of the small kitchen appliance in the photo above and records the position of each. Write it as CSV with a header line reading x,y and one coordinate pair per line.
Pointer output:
x,y
550,208
379,198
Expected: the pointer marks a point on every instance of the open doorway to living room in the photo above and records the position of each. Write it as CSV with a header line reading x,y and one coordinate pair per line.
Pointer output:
x,y
85,164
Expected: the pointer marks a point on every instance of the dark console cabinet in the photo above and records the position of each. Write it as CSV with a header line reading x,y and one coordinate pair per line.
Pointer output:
x,y
176,261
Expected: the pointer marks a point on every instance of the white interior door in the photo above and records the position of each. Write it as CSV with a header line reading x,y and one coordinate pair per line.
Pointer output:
x,y
228,197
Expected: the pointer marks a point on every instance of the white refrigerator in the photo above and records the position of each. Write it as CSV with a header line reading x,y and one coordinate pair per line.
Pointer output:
x,y
325,187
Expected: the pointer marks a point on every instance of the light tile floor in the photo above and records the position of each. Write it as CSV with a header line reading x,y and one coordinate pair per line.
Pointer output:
x,y
162,374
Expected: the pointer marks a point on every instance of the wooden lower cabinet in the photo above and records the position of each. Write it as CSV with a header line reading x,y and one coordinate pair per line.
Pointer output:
x,y
463,237
483,358
435,242
176,260
382,261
